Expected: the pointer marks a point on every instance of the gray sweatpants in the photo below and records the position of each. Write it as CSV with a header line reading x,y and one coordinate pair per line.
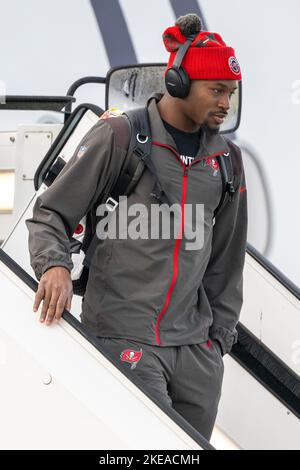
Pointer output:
x,y
187,378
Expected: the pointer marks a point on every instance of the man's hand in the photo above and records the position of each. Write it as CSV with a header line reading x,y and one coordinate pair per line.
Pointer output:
x,y
56,291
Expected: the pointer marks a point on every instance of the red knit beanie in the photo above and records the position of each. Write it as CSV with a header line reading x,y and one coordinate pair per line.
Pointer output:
x,y
208,57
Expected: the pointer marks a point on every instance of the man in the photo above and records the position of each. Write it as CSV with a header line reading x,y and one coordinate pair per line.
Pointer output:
x,y
165,309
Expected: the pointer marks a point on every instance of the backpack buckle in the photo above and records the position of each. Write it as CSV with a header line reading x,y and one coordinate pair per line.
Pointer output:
x,y
230,189
140,153
111,204
142,139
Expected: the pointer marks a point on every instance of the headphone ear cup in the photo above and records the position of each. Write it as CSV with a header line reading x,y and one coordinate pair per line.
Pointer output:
x,y
185,83
172,81
177,82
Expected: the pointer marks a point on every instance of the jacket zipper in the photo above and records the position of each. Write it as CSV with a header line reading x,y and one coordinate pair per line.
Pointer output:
x,y
180,233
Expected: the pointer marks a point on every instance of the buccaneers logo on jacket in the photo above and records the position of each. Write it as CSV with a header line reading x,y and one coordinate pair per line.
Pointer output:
x,y
131,356
213,163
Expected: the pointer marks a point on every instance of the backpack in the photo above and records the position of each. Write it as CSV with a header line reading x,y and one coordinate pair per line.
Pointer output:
x,y
138,157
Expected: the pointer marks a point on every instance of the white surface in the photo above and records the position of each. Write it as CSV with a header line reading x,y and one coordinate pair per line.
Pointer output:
x,y
252,416
7,162
7,149
16,243
260,233
96,406
271,313
24,155
89,404
64,44
33,142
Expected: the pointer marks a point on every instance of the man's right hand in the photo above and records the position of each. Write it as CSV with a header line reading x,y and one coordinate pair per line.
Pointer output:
x,y
56,291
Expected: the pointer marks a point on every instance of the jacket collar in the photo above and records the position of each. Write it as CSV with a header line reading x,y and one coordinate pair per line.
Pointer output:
x,y
210,145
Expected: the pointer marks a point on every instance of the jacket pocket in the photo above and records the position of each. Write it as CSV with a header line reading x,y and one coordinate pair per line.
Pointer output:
x,y
139,271
217,349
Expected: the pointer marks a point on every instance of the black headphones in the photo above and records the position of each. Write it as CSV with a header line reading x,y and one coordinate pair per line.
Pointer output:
x,y
176,79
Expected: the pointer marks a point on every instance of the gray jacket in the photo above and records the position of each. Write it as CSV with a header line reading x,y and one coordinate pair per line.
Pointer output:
x,y
151,290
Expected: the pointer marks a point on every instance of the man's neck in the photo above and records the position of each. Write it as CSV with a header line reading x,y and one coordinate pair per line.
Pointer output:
x,y
170,112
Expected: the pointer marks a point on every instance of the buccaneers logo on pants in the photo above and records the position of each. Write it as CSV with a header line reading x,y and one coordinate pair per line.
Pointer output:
x,y
131,356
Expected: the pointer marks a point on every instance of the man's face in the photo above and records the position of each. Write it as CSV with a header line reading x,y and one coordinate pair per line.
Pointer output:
x,y
209,102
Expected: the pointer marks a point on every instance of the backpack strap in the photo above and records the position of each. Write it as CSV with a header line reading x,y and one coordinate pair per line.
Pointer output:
x,y
138,147
225,163
142,145
122,139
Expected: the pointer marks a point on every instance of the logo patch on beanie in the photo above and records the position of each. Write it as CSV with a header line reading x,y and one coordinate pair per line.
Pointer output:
x,y
234,65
